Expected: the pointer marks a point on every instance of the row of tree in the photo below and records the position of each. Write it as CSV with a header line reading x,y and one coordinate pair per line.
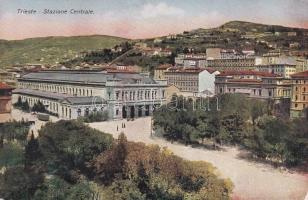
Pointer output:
x,y
72,161
238,121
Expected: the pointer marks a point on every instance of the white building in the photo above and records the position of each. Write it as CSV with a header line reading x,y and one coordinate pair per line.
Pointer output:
x,y
192,81
70,94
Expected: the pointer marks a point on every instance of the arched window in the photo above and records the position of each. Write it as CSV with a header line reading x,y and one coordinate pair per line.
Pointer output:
x,y
79,112
86,112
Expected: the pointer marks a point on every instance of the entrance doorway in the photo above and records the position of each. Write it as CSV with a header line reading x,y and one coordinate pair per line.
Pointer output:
x,y
124,113
147,110
132,112
140,111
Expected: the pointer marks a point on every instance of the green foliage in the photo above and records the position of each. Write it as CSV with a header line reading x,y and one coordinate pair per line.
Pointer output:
x,y
98,116
14,131
11,154
23,105
32,152
49,50
39,107
69,145
147,172
240,120
17,184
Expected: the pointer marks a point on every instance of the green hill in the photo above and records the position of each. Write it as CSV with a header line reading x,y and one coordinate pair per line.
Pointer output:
x,y
50,50
256,27
236,35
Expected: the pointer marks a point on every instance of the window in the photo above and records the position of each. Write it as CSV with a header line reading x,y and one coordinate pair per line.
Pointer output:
x,y
86,113
295,105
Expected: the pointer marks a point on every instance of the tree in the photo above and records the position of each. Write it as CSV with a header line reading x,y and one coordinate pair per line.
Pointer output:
x,y
16,184
39,107
110,164
32,152
67,147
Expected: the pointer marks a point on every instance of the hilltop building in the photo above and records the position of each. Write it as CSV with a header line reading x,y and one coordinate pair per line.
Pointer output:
x,y
70,94
230,59
191,60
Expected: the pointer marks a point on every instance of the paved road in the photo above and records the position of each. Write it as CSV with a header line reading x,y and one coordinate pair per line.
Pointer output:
x,y
252,180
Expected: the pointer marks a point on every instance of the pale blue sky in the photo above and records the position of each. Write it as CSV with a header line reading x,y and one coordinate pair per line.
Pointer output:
x,y
148,18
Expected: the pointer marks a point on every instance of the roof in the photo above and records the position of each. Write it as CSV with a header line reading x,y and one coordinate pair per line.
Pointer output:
x,y
48,95
245,81
303,74
5,86
165,66
85,100
86,77
68,76
211,70
185,70
248,72
74,100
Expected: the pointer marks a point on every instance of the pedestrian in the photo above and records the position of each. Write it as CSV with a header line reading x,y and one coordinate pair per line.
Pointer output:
x,y
117,128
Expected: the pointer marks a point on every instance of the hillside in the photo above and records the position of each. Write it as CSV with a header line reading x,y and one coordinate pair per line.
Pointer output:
x,y
256,27
237,35
50,50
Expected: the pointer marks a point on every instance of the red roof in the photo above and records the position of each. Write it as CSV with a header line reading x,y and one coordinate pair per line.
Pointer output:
x,y
303,74
245,81
186,70
5,86
211,70
248,72
166,66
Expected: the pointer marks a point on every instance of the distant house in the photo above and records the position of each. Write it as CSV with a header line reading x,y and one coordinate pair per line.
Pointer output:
x,y
292,34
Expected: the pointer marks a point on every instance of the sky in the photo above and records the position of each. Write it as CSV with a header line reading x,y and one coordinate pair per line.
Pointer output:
x,y
142,18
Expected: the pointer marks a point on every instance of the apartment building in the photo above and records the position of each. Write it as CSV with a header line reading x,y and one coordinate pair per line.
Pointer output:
x,y
260,85
284,70
299,100
192,81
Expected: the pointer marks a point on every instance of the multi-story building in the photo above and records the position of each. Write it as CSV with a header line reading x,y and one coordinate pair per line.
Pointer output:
x,y
71,94
190,60
244,63
299,100
285,70
192,81
5,98
159,72
261,85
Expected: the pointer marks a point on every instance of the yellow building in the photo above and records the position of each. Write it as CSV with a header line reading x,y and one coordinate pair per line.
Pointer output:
x,y
299,100
172,90
159,72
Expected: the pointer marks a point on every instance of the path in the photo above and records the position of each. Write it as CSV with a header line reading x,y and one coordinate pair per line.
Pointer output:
x,y
252,180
